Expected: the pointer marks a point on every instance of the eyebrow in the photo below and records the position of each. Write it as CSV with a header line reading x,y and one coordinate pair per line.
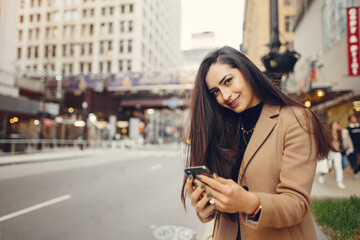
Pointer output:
x,y
220,81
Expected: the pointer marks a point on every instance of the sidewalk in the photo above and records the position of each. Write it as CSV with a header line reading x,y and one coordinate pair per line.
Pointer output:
x,y
327,190
68,153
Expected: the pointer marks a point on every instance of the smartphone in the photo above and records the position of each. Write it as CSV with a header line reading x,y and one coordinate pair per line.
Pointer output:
x,y
197,171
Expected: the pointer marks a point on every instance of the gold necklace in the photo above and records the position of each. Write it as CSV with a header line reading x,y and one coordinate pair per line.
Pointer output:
x,y
245,132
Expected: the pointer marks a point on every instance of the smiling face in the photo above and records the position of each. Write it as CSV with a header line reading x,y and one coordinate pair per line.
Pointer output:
x,y
229,87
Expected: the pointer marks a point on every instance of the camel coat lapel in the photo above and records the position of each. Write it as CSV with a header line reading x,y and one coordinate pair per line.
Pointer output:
x,y
263,128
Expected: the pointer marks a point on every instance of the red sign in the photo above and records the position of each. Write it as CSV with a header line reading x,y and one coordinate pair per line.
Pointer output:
x,y
353,40
48,122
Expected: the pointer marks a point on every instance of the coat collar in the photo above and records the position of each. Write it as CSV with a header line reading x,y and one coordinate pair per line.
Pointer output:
x,y
263,128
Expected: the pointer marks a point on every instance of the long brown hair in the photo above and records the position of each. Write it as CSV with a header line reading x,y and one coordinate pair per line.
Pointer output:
x,y
212,137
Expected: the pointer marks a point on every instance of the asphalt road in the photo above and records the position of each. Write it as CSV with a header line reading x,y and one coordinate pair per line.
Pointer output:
x,y
110,195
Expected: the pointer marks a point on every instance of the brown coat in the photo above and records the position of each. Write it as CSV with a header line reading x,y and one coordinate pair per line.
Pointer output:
x,y
279,166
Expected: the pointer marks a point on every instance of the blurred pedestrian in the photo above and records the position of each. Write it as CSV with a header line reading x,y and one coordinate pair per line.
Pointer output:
x,y
354,131
345,142
261,143
343,145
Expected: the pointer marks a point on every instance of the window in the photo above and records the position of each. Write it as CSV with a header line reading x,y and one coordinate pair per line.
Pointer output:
x,y
82,49
131,8
101,47
22,4
100,66
19,53
70,68
39,3
122,8
36,52
38,17
103,11
20,35
111,10
92,12
122,26
89,67
102,28
109,66
287,3
54,51
91,29
29,52
109,46
83,29
46,53
130,26
289,20
31,17
37,33
21,19
84,12
121,66
121,46
81,67
48,33
32,3
74,14
30,34
64,50
110,28
129,46
90,48
71,49
334,21
129,65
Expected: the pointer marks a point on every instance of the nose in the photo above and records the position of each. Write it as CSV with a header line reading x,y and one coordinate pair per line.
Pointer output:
x,y
226,93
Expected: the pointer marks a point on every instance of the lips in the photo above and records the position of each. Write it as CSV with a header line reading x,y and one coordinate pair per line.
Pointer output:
x,y
234,103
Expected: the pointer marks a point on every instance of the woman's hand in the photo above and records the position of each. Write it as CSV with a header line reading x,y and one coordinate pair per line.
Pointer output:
x,y
199,199
229,196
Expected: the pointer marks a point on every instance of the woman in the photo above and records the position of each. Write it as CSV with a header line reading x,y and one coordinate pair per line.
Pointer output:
x,y
344,147
252,137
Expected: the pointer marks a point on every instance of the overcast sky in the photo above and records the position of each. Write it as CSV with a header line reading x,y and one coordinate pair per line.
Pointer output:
x,y
224,17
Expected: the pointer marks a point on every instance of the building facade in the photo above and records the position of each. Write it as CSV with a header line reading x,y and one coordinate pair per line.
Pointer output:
x,y
321,39
257,28
104,58
97,36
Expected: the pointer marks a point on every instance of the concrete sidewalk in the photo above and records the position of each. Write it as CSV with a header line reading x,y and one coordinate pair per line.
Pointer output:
x,y
71,152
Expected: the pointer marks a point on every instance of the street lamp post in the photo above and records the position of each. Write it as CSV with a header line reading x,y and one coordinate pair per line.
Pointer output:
x,y
84,117
275,61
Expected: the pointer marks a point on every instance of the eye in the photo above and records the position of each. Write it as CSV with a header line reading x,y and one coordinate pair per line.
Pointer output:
x,y
227,81
215,92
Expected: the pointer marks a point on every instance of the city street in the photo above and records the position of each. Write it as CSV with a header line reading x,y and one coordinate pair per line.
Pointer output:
x,y
109,194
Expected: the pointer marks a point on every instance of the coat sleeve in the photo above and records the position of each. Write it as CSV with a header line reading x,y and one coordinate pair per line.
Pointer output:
x,y
291,200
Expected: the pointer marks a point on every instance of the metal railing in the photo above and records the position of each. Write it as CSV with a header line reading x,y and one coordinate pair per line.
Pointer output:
x,y
12,146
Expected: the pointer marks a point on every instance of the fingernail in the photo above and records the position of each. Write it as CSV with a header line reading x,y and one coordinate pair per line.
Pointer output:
x,y
215,175
208,195
195,182
198,176
190,177
202,186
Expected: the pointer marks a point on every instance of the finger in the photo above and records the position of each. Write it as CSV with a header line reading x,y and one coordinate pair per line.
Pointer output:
x,y
215,184
189,188
196,195
201,204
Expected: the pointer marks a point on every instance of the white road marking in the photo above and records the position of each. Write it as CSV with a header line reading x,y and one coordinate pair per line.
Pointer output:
x,y
155,167
35,207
